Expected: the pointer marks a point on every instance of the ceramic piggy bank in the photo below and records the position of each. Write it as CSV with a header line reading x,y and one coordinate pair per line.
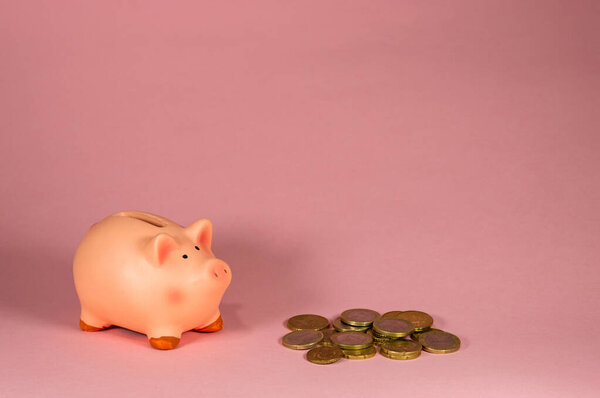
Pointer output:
x,y
148,274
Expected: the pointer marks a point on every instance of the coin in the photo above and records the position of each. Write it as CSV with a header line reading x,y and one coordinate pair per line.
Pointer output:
x,y
342,327
302,339
375,333
438,342
378,339
359,317
307,322
391,314
392,327
324,355
401,349
352,340
360,354
415,335
327,333
420,320
399,356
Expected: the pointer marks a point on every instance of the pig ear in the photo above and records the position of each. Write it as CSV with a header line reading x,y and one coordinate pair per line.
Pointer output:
x,y
201,232
159,248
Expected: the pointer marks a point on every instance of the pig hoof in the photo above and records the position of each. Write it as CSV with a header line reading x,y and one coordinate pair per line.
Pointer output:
x,y
164,342
213,327
89,328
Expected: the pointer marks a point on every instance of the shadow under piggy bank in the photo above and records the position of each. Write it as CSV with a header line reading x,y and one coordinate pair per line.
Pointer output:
x,y
39,287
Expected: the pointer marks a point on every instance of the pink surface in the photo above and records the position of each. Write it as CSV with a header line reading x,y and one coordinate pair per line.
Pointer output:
x,y
440,156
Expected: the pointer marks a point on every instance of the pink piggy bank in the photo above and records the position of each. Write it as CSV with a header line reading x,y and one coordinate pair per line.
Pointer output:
x,y
146,273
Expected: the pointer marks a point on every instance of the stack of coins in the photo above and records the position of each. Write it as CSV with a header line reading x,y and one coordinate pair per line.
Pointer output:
x,y
358,331
401,349
354,345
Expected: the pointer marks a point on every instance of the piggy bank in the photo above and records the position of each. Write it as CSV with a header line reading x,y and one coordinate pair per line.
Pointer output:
x,y
146,273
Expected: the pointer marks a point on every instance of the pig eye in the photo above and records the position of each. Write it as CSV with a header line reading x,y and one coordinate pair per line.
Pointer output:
x,y
197,248
185,256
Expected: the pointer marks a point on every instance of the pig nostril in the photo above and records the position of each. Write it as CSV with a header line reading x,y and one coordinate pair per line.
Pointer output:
x,y
225,270
216,275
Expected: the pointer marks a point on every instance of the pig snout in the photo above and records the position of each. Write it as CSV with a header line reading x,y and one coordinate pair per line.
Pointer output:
x,y
219,270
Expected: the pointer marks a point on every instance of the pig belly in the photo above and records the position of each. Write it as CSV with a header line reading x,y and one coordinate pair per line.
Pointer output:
x,y
111,285
129,295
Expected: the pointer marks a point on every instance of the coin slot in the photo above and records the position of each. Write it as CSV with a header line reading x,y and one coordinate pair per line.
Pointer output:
x,y
144,217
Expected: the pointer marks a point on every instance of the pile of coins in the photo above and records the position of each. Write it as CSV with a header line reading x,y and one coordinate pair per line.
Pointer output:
x,y
357,332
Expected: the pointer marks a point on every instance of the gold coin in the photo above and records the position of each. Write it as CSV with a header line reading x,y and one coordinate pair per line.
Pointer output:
x,y
352,340
401,349
415,335
438,342
377,334
377,339
302,339
327,333
360,354
399,356
420,320
307,322
324,355
391,314
392,327
359,317
342,327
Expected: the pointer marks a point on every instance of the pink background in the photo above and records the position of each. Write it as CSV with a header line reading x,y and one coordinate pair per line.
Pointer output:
x,y
440,156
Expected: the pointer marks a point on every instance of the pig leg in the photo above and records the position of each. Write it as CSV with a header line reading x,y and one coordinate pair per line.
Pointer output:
x,y
213,327
166,341
90,323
